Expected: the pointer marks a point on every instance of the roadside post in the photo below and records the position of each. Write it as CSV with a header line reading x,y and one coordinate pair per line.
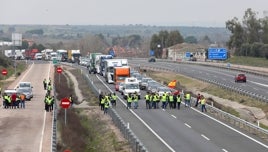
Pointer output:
x,y
59,71
4,73
65,104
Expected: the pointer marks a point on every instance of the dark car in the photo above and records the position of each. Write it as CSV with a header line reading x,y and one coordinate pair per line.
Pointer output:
x,y
240,78
152,59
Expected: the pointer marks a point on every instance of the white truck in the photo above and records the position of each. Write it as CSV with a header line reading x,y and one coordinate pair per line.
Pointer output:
x,y
131,86
74,56
109,65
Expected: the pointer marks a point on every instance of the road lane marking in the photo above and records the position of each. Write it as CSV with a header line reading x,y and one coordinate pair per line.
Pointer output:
x,y
44,120
174,116
205,137
224,150
261,84
22,78
187,125
239,132
162,140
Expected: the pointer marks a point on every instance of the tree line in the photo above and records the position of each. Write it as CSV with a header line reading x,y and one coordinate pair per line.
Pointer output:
x,y
249,37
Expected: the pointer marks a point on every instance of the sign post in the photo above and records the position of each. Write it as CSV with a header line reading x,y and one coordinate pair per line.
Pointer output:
x,y
59,70
4,73
65,104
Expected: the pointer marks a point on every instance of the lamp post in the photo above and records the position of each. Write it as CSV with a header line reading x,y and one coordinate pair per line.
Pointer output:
x,y
159,54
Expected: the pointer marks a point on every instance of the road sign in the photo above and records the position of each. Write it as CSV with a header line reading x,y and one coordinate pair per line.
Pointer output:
x,y
59,70
217,54
151,53
65,103
187,54
55,61
4,72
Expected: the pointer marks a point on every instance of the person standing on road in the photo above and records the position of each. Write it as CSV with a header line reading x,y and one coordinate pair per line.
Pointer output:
x,y
178,101
103,99
171,101
129,100
106,106
203,104
22,101
187,100
147,100
45,84
136,100
197,99
13,100
100,98
164,100
113,99
71,100
46,101
49,88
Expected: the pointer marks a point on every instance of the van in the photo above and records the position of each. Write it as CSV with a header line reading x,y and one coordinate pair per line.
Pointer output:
x,y
131,86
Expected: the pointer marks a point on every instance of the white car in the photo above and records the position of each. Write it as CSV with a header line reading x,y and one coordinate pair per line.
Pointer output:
x,y
162,90
25,85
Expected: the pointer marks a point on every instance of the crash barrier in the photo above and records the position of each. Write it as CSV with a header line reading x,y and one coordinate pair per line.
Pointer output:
x,y
221,85
134,142
243,124
54,124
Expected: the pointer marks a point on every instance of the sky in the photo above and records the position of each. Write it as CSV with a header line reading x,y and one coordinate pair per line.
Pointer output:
x,y
208,13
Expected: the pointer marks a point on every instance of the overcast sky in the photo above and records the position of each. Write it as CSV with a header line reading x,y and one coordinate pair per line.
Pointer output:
x,y
117,12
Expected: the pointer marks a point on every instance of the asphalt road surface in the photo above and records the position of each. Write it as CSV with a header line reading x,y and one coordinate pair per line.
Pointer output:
x,y
29,129
185,130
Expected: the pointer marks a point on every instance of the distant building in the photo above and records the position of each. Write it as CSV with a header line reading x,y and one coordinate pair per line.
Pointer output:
x,y
186,51
5,43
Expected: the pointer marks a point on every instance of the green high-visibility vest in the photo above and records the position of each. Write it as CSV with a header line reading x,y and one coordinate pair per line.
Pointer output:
x,y
129,98
178,99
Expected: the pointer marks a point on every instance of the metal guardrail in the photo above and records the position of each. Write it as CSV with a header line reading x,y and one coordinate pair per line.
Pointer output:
x,y
54,124
135,143
243,124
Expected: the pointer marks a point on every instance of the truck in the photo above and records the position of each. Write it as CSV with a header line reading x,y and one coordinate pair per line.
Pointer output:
x,y
121,73
53,56
92,65
74,56
109,68
101,63
62,55
30,54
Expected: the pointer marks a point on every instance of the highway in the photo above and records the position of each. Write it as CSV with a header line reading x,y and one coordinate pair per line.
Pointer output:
x,y
29,129
185,130
255,84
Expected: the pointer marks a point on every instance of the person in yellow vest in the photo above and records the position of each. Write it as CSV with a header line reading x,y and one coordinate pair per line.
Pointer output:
x,y
103,99
106,106
113,99
164,100
155,98
7,101
203,104
45,84
49,88
147,100
188,100
71,100
178,101
171,101
46,101
135,100
129,100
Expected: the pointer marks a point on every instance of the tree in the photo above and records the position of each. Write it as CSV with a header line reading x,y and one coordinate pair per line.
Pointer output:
x,y
174,37
190,39
264,36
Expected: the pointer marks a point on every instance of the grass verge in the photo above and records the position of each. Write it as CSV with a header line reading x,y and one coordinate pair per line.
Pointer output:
x,y
250,61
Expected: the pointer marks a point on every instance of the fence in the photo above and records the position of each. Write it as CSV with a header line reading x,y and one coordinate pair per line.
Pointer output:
x,y
134,142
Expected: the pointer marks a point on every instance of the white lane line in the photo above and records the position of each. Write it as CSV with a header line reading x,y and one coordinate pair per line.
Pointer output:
x,y
224,150
44,120
255,89
162,140
205,137
239,132
187,125
174,116
261,84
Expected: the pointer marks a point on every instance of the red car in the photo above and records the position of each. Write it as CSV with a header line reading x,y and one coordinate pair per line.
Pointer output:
x,y
240,78
117,86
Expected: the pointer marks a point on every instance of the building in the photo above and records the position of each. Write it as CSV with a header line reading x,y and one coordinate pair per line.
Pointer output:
x,y
186,52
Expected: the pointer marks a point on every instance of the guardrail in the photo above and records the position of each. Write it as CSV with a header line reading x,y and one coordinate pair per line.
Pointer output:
x,y
54,124
243,124
221,85
135,143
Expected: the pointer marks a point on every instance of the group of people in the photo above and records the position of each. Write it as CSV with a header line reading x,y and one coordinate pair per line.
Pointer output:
x,y
49,102
14,101
47,85
153,101
106,100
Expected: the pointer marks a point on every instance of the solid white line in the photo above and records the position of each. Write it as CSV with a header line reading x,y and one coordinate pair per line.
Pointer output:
x,y
187,125
44,121
205,137
224,150
169,147
174,116
266,146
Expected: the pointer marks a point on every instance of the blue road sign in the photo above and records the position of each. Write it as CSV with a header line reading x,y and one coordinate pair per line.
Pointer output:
x,y
217,54
187,54
151,52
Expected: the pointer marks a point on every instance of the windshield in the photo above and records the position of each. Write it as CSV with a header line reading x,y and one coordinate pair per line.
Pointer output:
x,y
132,86
23,85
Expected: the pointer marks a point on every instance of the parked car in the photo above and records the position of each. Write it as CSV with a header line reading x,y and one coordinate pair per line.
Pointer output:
x,y
240,78
161,90
144,83
27,92
25,85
